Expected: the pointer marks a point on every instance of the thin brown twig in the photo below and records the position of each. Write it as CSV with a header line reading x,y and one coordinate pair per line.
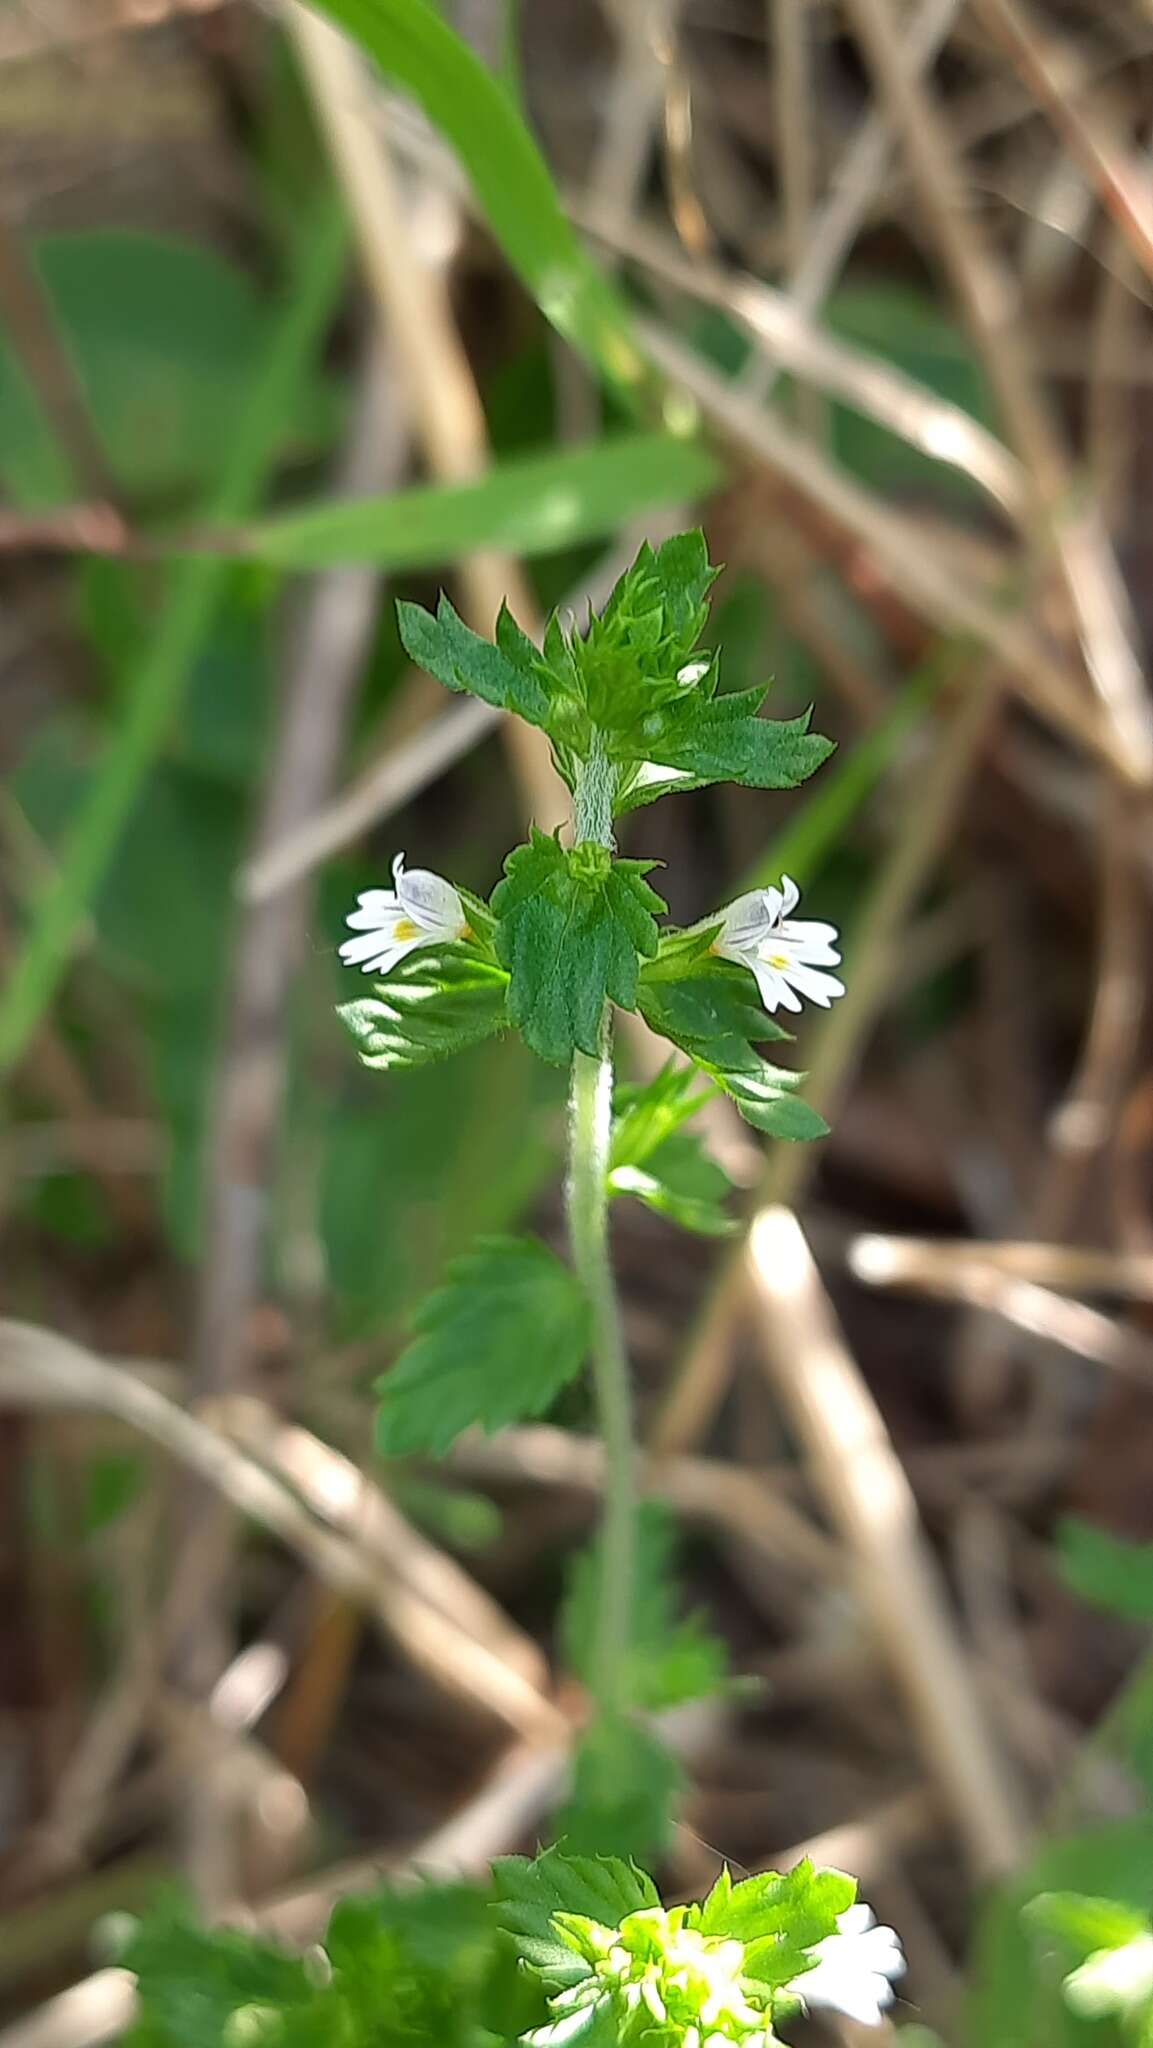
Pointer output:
x,y
1118,175
703,1371
868,383
901,553
863,1484
409,285
39,1368
883,1261
321,674
1089,569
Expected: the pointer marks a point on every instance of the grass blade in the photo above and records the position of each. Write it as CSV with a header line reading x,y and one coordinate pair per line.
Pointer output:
x,y
532,506
512,181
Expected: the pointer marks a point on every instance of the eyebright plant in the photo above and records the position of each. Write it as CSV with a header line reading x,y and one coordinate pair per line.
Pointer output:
x,y
552,1950
574,1945
634,711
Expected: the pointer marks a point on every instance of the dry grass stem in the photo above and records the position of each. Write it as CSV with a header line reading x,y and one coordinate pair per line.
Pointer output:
x,y
867,1494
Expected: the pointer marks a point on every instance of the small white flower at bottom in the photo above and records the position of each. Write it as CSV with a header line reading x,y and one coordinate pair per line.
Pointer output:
x,y
855,1969
421,910
786,954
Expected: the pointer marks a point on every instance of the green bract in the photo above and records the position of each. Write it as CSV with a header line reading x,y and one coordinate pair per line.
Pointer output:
x,y
571,929
630,686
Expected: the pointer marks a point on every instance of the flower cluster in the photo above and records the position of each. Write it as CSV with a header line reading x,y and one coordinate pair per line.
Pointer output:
x,y
659,1976
788,957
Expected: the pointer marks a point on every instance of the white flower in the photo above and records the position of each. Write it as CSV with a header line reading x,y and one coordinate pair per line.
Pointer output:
x,y
422,910
786,956
854,1968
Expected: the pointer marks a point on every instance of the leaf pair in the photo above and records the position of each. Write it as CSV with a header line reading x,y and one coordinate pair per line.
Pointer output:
x,y
629,687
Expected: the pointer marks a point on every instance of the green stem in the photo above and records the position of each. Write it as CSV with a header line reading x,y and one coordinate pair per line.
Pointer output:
x,y
590,1133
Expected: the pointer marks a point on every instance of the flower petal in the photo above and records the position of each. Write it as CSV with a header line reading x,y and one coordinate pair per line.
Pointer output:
x,y
431,902
379,911
774,987
811,982
376,952
790,895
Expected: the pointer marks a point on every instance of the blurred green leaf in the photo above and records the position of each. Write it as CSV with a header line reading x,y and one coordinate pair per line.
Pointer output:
x,y
472,109
495,1344
1016,1998
165,337
1105,1570
645,1115
908,328
162,668
625,1783
673,1658
532,506
660,1164
113,1482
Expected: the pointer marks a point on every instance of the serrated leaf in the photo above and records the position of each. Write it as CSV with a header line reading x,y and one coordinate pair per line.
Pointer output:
x,y
660,1164
495,1344
462,660
778,1916
707,1006
765,1100
671,1659
723,739
625,1783
435,1002
527,1892
571,929
1106,1570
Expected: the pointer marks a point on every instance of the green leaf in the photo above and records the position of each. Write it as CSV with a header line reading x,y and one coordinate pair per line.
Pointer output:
x,y
1105,1570
471,108
1015,1995
571,927
192,1980
462,660
661,1165
778,1917
1085,1923
535,505
645,1116
165,336
765,1100
496,1343
158,678
625,1784
528,1891
672,1659
708,1007
435,1002
722,739
682,1183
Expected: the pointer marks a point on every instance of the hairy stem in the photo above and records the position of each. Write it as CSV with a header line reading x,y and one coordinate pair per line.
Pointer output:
x,y
590,1129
